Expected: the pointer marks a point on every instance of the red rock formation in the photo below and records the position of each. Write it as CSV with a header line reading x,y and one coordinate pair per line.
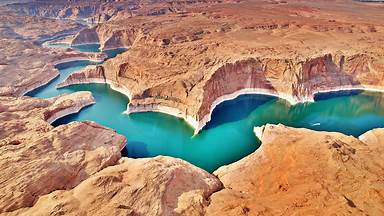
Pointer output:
x,y
186,64
295,171
303,172
36,158
155,186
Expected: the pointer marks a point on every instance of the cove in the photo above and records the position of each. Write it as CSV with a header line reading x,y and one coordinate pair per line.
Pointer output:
x,y
229,136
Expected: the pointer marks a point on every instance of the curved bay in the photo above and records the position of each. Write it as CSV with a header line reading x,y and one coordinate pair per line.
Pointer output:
x,y
229,136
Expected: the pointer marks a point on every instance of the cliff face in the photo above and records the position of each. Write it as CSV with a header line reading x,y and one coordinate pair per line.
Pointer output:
x,y
119,37
186,63
298,171
92,74
293,79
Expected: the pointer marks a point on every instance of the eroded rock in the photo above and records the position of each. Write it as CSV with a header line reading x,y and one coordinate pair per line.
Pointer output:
x,y
304,172
154,186
36,158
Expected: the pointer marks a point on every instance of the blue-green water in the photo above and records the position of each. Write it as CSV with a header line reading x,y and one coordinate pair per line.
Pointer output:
x,y
228,137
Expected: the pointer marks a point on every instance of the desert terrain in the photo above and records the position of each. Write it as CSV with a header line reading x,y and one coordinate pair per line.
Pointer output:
x,y
184,58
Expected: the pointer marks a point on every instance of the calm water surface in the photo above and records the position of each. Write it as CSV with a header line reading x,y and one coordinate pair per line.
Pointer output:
x,y
228,137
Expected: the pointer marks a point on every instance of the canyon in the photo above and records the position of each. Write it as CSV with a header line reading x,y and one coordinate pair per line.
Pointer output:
x,y
184,58
24,64
198,59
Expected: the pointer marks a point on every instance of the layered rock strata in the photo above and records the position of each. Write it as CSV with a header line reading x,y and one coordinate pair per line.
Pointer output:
x,y
185,64
303,172
102,11
37,158
24,64
26,67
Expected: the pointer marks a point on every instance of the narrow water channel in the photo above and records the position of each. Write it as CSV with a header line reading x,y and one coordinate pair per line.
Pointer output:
x,y
229,136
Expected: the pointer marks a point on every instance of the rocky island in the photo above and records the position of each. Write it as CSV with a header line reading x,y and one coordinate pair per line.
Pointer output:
x,y
185,59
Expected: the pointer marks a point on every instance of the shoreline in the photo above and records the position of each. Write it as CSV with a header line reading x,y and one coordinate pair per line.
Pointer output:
x,y
166,110
234,95
114,86
43,83
54,65
101,49
142,108
69,111
113,48
80,44
199,125
72,59
369,88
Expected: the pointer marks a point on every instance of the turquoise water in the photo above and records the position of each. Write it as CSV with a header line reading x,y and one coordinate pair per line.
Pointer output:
x,y
228,137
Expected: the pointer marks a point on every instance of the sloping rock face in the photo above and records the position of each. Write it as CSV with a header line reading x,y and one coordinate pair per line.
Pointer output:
x,y
303,172
90,75
186,63
36,158
156,186
86,36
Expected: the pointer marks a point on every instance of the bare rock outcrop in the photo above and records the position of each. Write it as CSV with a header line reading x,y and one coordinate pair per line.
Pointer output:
x,y
303,172
295,171
155,186
36,158
25,65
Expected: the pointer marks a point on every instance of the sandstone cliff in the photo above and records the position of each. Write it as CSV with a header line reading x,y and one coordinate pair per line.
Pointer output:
x,y
186,64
